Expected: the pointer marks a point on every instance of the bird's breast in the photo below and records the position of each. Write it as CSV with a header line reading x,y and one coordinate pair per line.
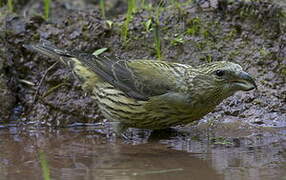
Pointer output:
x,y
156,113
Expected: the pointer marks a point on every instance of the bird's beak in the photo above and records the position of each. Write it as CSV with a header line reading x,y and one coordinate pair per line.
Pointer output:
x,y
244,82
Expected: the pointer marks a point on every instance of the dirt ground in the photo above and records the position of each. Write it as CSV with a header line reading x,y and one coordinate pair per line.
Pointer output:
x,y
35,90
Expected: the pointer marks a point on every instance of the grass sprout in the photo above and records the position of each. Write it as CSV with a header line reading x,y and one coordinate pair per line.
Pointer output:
x,y
157,40
131,9
10,5
44,165
102,8
47,6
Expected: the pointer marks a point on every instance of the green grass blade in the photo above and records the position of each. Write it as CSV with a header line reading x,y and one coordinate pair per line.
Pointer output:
x,y
102,8
157,40
157,30
44,165
47,4
131,5
10,5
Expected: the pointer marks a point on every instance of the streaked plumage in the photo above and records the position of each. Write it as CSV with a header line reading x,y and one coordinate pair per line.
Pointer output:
x,y
153,94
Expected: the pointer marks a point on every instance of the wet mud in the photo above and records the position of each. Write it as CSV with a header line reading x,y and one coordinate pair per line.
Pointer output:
x,y
194,34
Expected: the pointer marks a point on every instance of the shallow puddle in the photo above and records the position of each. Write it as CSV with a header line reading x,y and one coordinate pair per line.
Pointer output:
x,y
84,153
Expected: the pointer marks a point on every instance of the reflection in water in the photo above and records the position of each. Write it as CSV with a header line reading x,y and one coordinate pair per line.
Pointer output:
x,y
82,153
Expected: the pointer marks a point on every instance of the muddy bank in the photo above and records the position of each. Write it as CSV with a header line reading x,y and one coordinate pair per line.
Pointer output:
x,y
7,97
49,94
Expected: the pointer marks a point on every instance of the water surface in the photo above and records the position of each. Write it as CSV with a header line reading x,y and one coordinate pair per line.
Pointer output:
x,y
85,153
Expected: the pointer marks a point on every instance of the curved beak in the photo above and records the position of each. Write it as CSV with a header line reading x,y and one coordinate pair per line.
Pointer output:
x,y
245,82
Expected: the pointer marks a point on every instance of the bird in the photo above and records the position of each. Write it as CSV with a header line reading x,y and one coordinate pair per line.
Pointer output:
x,y
151,94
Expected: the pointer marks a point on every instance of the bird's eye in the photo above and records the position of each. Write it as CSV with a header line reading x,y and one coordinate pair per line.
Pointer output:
x,y
219,73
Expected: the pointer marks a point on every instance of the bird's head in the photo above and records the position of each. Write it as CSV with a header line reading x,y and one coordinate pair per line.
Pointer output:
x,y
222,79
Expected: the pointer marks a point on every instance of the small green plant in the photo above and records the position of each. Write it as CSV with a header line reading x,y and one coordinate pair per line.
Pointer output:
x,y
130,10
44,165
10,5
195,26
102,8
148,25
177,40
47,5
157,30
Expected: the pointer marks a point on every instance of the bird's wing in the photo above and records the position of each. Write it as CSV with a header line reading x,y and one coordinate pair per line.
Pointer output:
x,y
139,79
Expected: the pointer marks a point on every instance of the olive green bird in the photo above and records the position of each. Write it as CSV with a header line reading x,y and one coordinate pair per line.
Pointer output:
x,y
152,94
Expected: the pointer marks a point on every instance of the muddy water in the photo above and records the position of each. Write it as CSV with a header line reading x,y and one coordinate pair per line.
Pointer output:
x,y
88,153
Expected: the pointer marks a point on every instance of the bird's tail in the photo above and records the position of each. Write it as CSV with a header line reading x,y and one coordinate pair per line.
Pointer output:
x,y
48,49
71,59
